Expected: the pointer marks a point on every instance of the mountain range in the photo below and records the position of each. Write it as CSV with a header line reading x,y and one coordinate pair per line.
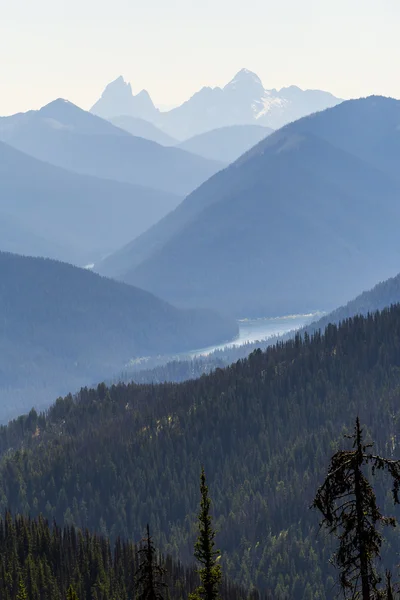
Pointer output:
x,y
64,327
243,100
303,221
144,129
49,211
226,144
66,136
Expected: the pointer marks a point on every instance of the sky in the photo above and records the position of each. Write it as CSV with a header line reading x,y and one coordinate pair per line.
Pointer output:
x,y
73,48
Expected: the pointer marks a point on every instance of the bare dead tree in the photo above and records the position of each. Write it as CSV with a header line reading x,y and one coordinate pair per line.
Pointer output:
x,y
349,509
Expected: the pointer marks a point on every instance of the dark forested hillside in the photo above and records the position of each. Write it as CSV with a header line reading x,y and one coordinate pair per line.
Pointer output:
x,y
39,562
264,429
62,327
299,223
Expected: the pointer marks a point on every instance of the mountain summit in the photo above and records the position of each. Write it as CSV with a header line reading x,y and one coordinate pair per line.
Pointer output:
x,y
242,101
245,79
118,99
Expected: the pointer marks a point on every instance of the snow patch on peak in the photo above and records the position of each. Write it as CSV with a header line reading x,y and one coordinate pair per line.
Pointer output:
x,y
268,104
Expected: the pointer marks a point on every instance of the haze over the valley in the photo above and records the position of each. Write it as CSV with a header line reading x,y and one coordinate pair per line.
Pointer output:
x,y
199,300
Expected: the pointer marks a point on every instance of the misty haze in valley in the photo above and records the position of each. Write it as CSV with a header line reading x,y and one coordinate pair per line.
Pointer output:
x,y
199,301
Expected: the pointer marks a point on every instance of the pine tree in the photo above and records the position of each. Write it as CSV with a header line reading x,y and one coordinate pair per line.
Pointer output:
x,y
150,573
204,550
22,593
71,593
348,505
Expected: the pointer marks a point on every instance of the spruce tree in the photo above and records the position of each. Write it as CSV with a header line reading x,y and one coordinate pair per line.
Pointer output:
x,y
349,508
22,593
150,574
71,593
204,550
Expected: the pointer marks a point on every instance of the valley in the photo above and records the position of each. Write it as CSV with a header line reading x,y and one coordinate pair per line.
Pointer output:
x,y
254,330
199,304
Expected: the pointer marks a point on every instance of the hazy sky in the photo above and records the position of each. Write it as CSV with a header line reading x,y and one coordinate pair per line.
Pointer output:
x,y
73,48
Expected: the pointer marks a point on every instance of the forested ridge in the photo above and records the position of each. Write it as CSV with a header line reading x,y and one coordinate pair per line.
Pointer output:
x,y
43,562
114,458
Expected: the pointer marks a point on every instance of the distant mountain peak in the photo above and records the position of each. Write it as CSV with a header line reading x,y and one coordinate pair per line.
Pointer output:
x,y
119,84
117,99
245,77
144,94
60,104
246,74
243,100
58,101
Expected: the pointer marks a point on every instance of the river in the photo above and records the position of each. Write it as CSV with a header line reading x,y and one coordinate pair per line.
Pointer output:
x,y
254,330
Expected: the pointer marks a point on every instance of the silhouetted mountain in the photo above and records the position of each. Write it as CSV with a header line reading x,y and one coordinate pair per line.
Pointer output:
x,y
66,136
117,99
368,128
243,101
63,327
295,225
55,213
226,144
141,128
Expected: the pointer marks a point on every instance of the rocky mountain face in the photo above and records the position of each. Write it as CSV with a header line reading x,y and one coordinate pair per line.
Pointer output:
x,y
118,99
244,100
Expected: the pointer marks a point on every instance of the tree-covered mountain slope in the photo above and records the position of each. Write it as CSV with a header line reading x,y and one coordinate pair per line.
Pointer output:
x,y
43,562
264,429
63,327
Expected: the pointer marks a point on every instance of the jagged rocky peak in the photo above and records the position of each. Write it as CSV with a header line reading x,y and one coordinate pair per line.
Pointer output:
x,y
118,86
145,95
117,99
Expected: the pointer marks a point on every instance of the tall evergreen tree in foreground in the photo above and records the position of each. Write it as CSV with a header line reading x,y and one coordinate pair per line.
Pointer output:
x,y
348,505
204,550
150,574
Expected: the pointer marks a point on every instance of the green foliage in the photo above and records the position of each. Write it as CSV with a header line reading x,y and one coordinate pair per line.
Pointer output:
x,y
116,458
150,574
71,593
349,507
204,549
39,562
